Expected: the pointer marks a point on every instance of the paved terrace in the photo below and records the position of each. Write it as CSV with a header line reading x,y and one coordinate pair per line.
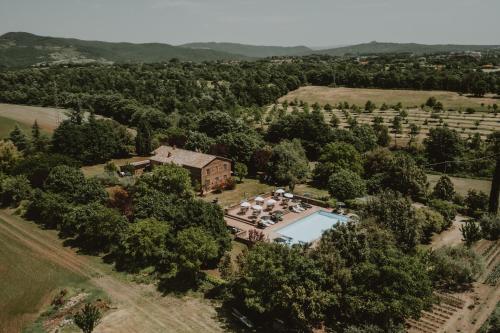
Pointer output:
x,y
245,222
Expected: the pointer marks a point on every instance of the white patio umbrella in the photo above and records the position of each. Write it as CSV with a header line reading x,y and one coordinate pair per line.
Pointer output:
x,y
288,195
245,204
259,199
270,202
257,208
279,191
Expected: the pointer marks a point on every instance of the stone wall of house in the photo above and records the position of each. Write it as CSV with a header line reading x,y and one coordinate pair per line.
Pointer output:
x,y
216,172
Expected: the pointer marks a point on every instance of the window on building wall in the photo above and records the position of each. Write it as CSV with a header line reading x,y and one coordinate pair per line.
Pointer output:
x,y
207,182
225,176
216,180
208,172
225,166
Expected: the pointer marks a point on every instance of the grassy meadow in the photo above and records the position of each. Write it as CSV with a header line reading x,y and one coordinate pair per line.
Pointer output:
x,y
7,125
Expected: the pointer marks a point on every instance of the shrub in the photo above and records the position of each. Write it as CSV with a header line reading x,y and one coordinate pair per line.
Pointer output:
x,y
490,226
476,202
230,184
429,222
444,189
454,268
446,209
15,189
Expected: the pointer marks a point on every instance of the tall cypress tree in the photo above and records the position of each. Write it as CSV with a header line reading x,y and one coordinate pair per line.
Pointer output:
x,y
494,139
143,140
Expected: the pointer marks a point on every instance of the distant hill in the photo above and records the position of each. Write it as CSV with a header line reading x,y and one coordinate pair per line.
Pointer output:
x,y
377,47
20,49
254,51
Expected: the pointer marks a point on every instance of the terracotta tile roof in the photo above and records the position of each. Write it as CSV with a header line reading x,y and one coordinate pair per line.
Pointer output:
x,y
168,154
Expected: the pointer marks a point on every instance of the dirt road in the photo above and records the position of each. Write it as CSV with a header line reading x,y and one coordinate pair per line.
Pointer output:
x,y
139,308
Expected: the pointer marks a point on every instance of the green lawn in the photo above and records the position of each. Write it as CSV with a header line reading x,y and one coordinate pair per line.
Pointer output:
x,y
247,189
462,185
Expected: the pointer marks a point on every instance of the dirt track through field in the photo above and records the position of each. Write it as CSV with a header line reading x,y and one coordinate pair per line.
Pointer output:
x,y
138,308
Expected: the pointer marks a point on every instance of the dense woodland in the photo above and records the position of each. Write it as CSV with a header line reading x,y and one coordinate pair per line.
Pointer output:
x,y
367,276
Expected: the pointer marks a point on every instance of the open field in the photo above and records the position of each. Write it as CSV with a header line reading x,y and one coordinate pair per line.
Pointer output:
x,y
136,308
28,280
48,118
466,124
409,98
462,185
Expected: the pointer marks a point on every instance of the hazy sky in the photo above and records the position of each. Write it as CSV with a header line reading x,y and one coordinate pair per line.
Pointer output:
x,y
266,22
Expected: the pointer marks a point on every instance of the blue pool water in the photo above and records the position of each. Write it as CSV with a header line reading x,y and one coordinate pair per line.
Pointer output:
x,y
311,227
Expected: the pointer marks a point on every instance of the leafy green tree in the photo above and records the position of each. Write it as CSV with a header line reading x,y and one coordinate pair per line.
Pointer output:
x,y
395,212
377,161
370,106
237,146
196,213
366,137
397,128
471,232
413,133
335,156
197,141
443,146
216,123
444,189
19,139
334,121
169,179
396,286
194,248
9,156
310,128
346,184
37,167
142,244
48,209
71,183
288,164
405,176
144,138
96,226
88,318
278,281
240,171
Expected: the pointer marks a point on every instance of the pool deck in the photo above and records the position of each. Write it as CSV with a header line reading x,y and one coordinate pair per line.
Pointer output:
x,y
245,224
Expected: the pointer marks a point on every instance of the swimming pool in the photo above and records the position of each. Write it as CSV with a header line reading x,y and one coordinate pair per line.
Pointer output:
x,y
311,227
